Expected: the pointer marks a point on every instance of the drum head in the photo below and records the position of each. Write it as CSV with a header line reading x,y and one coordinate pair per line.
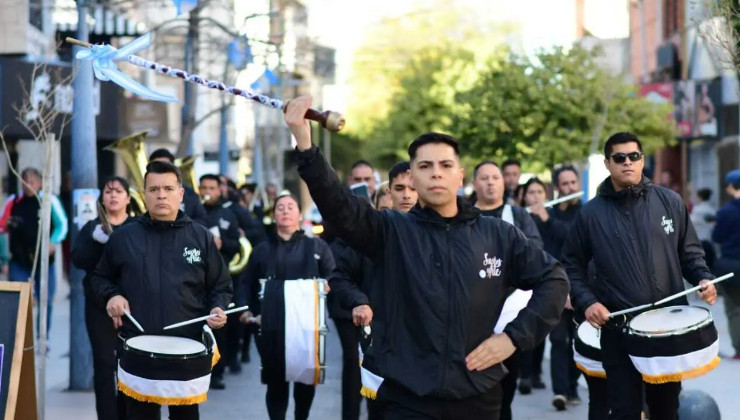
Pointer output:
x,y
672,318
162,344
589,335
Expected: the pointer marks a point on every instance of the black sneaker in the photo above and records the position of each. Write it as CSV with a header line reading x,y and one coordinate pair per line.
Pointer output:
x,y
525,386
217,382
245,356
559,402
235,368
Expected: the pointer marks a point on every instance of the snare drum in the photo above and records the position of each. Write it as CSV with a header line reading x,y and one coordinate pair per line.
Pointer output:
x,y
165,370
587,351
673,344
303,347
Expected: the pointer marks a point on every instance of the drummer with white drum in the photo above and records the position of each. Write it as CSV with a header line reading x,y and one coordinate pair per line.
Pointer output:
x,y
642,243
162,269
285,279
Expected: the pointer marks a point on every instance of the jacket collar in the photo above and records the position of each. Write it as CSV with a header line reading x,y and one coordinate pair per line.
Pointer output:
x,y
149,223
466,214
297,235
606,189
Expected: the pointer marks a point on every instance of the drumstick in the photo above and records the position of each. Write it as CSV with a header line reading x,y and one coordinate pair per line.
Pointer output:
x,y
695,288
670,298
560,200
133,320
205,317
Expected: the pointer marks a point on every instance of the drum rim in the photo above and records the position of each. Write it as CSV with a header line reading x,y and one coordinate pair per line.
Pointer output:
x,y
681,331
150,353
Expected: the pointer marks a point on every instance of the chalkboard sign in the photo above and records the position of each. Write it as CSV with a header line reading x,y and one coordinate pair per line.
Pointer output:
x,y
17,371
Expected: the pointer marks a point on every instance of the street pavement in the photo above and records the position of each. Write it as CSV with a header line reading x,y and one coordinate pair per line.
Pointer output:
x,y
244,395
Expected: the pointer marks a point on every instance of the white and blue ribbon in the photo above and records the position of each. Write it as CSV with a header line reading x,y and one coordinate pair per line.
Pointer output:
x,y
103,60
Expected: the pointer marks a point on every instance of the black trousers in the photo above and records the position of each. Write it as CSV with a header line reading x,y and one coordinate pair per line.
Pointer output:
x,y
402,404
625,385
277,399
531,362
508,385
109,404
598,406
349,336
138,410
563,370
234,332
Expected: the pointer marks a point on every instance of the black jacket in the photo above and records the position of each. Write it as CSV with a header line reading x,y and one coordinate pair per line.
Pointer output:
x,y
642,242
522,220
168,271
253,229
553,231
220,216
351,281
86,253
440,286
193,207
283,260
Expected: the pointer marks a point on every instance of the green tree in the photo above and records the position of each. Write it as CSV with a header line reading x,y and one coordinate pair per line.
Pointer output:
x,y
547,109
425,101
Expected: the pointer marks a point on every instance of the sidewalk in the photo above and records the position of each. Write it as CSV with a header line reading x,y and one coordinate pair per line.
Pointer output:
x,y
244,395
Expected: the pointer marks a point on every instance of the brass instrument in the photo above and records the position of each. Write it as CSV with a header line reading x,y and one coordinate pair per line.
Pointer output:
x,y
187,170
239,262
131,150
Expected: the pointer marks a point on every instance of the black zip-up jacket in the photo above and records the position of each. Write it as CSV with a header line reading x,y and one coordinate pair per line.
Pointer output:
x,y
522,220
218,215
86,253
553,231
642,243
440,286
168,271
283,260
254,231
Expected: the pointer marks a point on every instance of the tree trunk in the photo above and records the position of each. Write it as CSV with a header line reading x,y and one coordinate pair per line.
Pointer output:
x,y
43,261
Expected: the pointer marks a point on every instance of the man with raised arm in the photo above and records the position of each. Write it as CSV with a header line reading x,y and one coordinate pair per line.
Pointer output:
x,y
443,271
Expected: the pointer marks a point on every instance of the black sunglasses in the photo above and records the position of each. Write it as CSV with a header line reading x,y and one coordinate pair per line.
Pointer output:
x,y
622,157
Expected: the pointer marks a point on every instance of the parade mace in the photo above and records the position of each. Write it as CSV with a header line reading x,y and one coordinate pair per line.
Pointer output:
x,y
104,56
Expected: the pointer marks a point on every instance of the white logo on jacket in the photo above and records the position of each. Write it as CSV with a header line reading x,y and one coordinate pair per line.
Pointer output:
x,y
223,224
667,225
492,267
191,255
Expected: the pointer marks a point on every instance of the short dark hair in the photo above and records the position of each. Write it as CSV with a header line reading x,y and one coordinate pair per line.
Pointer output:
x,y
511,162
112,180
358,163
704,194
559,170
480,165
620,138
31,171
159,167
397,169
249,186
231,184
212,177
433,138
162,153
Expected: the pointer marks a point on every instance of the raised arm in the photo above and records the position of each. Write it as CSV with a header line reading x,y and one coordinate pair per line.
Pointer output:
x,y
352,219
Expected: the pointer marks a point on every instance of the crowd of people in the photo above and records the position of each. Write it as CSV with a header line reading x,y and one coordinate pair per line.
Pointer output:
x,y
418,279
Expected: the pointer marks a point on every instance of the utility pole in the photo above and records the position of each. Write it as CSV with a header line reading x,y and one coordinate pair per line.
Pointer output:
x,y
84,177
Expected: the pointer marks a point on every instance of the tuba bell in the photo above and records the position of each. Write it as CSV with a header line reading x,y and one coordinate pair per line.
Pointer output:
x,y
239,262
131,150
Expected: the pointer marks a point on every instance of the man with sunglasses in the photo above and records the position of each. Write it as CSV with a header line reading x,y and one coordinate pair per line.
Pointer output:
x,y
642,242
